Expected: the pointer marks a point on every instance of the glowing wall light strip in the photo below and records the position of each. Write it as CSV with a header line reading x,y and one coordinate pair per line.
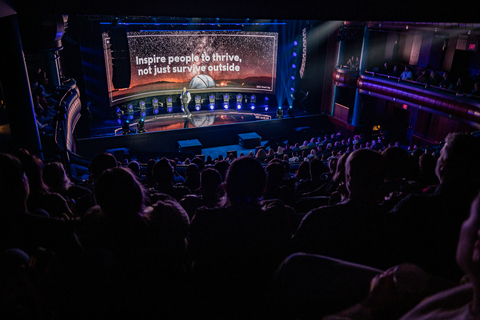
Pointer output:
x,y
304,56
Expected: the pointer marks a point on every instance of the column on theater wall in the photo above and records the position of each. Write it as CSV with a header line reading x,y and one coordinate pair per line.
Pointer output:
x,y
363,64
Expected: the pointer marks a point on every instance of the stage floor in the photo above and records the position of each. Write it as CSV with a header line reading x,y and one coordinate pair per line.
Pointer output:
x,y
175,121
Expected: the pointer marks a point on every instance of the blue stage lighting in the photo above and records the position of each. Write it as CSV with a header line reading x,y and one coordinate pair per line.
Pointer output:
x,y
197,107
212,107
291,107
253,99
294,54
170,109
293,77
226,106
239,106
294,66
292,89
252,107
130,106
131,117
266,98
295,42
266,109
119,121
155,110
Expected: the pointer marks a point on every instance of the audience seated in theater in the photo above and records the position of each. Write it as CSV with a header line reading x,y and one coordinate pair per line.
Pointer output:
x,y
316,168
303,172
407,74
209,160
192,178
275,188
270,155
222,168
423,76
445,82
99,164
428,224
199,162
357,229
427,176
396,186
385,70
433,79
40,198
236,248
177,177
21,229
150,182
147,242
395,72
261,155
163,173
211,192
79,199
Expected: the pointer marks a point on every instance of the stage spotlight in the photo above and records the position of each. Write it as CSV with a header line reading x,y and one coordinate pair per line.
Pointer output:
x,y
119,112
212,106
294,66
169,109
293,77
292,89
126,127
155,110
141,126
130,111
291,112
253,99
239,98
239,106
119,121
211,98
143,108
266,109
295,42
280,113
294,54
252,107
169,102
154,102
198,103
226,97
266,99
226,106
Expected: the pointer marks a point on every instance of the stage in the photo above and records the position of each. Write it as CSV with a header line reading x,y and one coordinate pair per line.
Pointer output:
x,y
174,121
164,132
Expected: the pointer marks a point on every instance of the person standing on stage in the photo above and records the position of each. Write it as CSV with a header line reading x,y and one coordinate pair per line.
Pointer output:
x,y
185,98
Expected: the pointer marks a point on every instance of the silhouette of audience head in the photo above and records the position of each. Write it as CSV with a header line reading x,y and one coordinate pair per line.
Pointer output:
x,y
55,178
163,172
14,187
135,167
459,157
119,194
468,253
364,173
245,181
275,172
199,162
222,167
316,169
209,182
397,163
100,163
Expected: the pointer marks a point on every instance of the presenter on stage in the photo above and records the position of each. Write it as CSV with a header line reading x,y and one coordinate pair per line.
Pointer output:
x,y
185,98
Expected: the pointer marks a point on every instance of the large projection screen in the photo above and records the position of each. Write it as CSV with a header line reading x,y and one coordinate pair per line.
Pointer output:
x,y
162,63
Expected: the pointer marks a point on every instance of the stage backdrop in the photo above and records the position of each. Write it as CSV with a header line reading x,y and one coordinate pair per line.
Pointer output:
x,y
165,62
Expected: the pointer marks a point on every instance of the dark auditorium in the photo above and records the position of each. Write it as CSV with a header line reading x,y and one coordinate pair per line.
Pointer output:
x,y
239,160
